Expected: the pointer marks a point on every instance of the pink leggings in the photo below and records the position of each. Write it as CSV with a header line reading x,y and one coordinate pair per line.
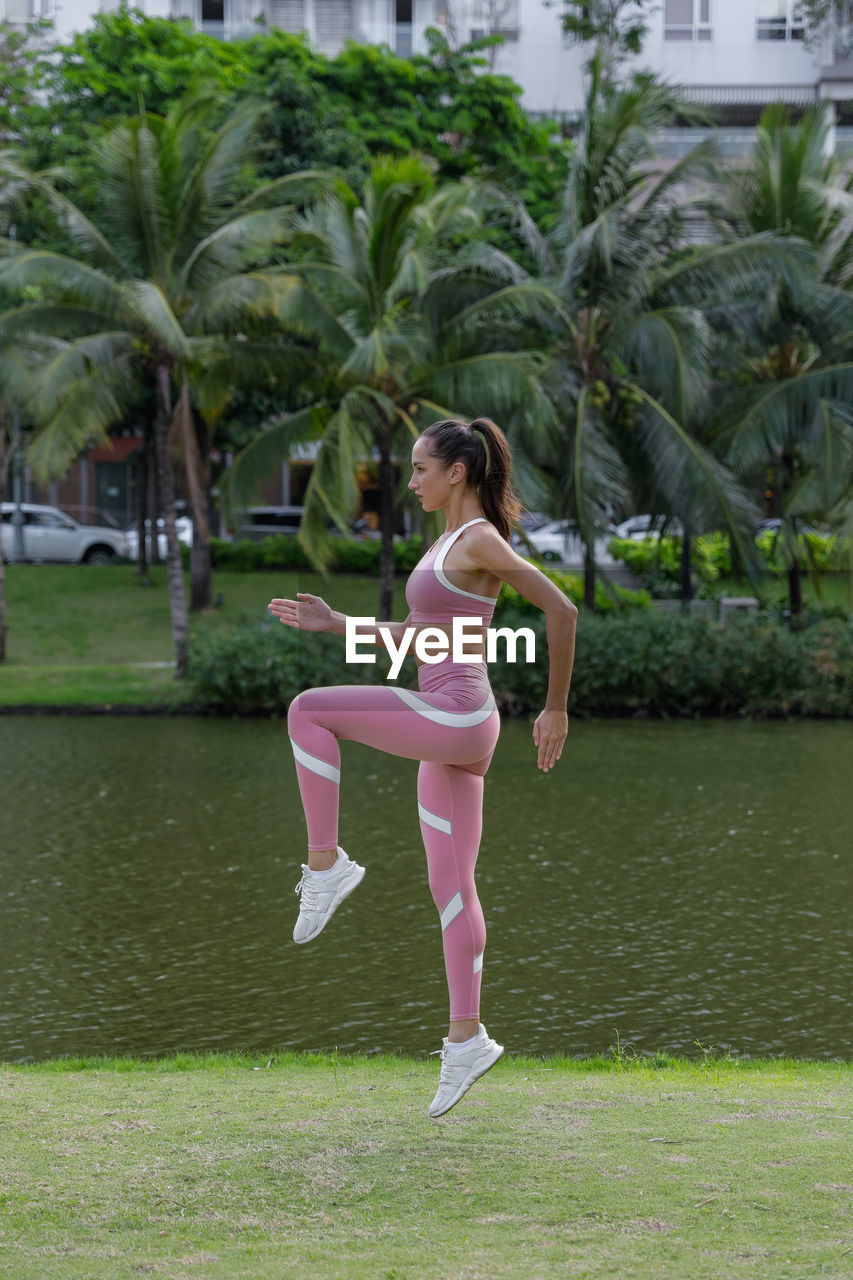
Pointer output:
x,y
452,727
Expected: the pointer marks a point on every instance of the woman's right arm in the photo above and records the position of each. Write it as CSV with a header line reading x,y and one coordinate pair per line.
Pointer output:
x,y
311,613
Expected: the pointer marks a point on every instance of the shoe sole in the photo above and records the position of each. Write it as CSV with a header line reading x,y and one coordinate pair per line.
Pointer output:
x,y
469,1080
342,894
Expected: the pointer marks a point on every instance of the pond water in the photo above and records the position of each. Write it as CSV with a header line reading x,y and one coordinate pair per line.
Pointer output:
x,y
667,884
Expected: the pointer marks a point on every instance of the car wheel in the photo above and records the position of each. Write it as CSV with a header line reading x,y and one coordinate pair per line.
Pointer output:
x,y
99,555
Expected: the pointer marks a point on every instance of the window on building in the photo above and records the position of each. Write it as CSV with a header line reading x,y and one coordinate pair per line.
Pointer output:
x,y
403,28
778,20
213,10
687,20
288,15
334,25
495,17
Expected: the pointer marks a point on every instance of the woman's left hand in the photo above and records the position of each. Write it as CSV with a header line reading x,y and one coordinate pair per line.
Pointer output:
x,y
549,734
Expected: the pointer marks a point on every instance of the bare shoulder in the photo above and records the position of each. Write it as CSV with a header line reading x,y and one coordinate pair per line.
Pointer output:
x,y
488,550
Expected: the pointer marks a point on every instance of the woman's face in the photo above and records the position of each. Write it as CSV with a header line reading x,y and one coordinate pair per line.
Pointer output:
x,y
431,481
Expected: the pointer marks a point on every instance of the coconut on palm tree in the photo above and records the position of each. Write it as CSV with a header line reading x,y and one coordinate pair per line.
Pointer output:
x,y
156,289
416,317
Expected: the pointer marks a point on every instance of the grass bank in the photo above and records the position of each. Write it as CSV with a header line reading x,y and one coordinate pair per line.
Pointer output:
x,y
80,635
319,1167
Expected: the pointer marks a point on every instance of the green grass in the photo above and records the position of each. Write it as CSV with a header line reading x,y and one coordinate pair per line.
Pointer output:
x,y
75,632
836,589
319,1167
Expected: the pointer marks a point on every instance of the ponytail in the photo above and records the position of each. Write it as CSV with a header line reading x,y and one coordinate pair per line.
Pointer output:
x,y
483,447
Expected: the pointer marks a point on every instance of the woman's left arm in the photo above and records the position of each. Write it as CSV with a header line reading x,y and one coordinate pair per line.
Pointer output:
x,y
489,550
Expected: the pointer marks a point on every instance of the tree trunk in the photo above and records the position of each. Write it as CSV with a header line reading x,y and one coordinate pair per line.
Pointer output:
x,y
174,568
795,588
686,570
200,593
386,528
588,578
154,510
5,454
795,580
142,504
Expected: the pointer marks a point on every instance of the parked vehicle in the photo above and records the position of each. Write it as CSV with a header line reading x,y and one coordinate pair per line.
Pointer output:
x,y
261,522
183,524
51,535
559,542
647,526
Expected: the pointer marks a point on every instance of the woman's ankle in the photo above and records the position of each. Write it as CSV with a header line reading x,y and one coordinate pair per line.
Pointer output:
x,y
322,859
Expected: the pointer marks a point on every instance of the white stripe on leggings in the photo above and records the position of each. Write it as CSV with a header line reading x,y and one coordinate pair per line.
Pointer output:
x,y
315,764
451,911
478,962
433,820
455,719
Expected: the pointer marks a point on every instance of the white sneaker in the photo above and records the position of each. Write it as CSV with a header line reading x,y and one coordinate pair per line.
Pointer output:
x,y
321,897
460,1068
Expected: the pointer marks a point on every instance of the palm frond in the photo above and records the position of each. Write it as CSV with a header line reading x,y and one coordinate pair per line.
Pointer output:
x,y
61,277
693,482
97,395
763,420
269,449
149,307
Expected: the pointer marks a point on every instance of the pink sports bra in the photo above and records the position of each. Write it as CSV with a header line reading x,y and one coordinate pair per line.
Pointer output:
x,y
431,596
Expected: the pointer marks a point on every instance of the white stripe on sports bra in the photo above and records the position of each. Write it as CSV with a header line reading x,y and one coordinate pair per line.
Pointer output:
x,y
438,564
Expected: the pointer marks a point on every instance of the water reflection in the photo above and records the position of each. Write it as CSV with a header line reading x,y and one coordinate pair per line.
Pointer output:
x,y
670,882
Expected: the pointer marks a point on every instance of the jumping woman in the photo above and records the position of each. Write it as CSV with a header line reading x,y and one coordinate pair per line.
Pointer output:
x,y
451,726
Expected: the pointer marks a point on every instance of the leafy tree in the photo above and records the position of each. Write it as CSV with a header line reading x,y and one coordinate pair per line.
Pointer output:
x,y
22,66
417,318
337,112
615,29
633,376
792,421
161,289
826,21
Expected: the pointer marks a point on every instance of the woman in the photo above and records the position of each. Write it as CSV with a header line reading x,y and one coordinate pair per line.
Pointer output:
x,y
451,725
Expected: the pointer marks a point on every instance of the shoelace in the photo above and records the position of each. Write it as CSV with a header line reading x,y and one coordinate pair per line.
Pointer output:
x,y
307,887
447,1063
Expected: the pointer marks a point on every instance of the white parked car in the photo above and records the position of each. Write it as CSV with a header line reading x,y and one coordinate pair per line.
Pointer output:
x,y
646,526
559,541
183,524
51,535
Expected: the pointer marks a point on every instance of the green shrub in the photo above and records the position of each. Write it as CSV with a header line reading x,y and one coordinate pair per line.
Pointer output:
x,y
284,551
608,599
657,561
644,662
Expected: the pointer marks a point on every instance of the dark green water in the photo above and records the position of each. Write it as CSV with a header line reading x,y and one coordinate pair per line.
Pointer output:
x,y
669,882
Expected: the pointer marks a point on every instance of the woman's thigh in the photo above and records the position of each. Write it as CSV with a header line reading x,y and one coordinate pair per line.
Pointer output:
x,y
416,726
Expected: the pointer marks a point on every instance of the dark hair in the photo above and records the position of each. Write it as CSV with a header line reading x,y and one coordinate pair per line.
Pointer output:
x,y
483,447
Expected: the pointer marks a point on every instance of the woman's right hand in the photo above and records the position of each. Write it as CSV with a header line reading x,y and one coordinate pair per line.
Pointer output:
x,y
306,613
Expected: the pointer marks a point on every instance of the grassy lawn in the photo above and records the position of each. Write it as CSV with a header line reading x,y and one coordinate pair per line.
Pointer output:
x,y
317,1168
835,589
76,632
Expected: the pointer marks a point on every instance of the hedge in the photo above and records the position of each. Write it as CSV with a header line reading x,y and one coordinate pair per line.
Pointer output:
x,y
643,663
657,561
283,551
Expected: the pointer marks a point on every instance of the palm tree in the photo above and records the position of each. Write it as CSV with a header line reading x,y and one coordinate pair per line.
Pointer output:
x,y
156,289
632,375
794,421
417,318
